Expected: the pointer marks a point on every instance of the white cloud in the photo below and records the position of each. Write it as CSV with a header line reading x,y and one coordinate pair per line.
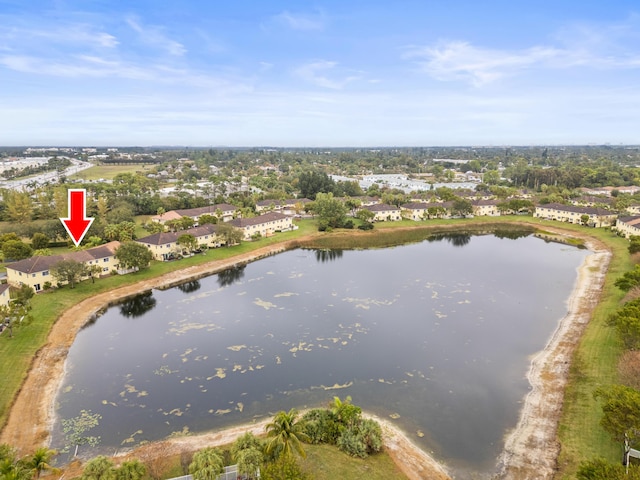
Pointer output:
x,y
462,61
316,74
154,37
613,46
77,35
299,21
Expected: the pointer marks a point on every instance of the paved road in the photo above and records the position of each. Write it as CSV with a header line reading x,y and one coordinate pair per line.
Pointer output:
x,y
48,177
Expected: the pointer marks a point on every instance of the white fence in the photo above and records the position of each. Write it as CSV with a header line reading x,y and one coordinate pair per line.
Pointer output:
x,y
230,473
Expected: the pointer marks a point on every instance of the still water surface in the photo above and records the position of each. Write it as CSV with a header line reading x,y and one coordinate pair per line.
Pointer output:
x,y
436,335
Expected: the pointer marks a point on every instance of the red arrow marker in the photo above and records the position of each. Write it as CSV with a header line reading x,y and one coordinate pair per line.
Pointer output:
x,y
77,223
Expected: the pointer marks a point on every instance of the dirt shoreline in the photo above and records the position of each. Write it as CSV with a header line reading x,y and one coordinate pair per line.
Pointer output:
x,y
530,450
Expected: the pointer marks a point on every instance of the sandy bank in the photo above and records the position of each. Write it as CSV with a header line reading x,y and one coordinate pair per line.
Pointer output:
x,y
415,463
531,449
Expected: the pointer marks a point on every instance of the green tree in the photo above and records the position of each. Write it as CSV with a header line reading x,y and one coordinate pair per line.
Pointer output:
x,y
600,469
229,234
249,461
634,244
330,211
207,219
491,177
629,280
462,206
126,231
99,468
15,470
188,242
19,206
284,468
14,313
153,227
313,182
69,271
102,208
133,255
131,470
345,411
111,231
247,453
186,223
286,434
207,464
16,250
23,294
39,241
365,215
621,409
40,461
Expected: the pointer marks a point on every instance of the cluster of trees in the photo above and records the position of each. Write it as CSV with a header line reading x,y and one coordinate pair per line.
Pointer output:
x,y
27,468
274,458
344,426
17,312
54,163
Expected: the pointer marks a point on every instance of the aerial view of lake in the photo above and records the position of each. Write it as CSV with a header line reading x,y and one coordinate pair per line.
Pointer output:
x,y
435,336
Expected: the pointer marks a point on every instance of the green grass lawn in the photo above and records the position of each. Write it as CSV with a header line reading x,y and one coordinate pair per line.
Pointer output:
x,y
108,172
580,435
326,462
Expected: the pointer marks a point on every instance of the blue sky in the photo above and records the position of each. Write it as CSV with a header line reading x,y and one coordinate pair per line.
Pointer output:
x,y
328,73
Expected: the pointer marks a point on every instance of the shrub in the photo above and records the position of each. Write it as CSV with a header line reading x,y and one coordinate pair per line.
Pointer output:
x,y
366,226
352,442
322,426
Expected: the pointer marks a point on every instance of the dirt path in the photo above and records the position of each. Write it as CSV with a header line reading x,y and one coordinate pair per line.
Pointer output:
x,y
530,452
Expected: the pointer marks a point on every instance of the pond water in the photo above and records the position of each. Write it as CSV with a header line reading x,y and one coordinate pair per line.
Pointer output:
x,y
436,336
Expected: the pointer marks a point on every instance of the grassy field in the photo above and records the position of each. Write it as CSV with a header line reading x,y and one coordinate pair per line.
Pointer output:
x,y
595,363
108,172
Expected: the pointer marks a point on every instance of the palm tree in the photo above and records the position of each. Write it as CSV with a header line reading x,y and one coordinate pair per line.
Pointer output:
x,y
286,434
111,231
39,461
131,470
99,468
345,411
207,464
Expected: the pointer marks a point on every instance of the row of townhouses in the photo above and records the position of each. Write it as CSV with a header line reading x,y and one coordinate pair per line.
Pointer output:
x,y
164,246
35,271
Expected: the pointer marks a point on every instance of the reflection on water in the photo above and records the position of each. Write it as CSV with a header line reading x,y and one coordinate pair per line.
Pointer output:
x,y
455,239
189,287
231,275
138,305
433,336
325,255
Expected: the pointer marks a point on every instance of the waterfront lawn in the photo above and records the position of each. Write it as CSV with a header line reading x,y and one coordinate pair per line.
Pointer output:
x,y
326,462
594,365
